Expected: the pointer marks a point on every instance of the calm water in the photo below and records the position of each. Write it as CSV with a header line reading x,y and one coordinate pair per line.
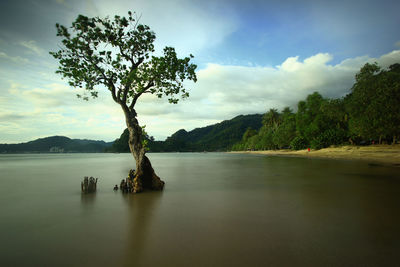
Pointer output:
x,y
216,210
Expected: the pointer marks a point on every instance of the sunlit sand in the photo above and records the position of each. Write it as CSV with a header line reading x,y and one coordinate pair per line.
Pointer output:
x,y
386,154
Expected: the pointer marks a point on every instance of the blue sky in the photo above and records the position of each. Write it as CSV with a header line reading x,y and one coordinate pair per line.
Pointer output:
x,y
252,56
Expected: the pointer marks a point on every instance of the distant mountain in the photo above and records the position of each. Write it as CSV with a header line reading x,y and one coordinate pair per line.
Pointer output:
x,y
217,137
56,144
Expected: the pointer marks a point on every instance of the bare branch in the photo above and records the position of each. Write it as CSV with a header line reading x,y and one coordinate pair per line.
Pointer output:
x,y
137,20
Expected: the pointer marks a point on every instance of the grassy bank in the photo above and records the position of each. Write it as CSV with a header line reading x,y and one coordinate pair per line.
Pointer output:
x,y
384,154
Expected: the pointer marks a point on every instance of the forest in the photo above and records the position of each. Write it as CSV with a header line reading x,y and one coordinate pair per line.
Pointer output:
x,y
369,114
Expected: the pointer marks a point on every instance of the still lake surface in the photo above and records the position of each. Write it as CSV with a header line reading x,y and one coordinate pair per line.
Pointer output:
x,y
217,209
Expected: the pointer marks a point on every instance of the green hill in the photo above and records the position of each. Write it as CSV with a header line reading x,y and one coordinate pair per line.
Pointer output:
x,y
217,137
55,144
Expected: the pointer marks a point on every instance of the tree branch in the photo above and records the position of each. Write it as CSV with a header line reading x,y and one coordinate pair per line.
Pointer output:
x,y
109,80
119,95
135,98
125,55
136,65
128,85
112,89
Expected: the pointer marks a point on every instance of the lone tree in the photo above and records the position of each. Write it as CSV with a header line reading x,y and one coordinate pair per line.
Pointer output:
x,y
119,54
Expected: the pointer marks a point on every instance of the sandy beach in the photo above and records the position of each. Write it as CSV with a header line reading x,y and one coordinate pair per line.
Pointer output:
x,y
383,154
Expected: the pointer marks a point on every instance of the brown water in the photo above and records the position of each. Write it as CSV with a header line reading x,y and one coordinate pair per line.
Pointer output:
x,y
216,210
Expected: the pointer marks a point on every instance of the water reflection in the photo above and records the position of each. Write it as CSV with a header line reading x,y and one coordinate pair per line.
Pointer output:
x,y
88,200
140,208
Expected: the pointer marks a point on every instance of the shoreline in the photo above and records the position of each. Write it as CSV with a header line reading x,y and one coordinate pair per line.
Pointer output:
x,y
382,154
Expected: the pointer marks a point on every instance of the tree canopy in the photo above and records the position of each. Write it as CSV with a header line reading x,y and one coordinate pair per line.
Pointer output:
x,y
374,102
119,55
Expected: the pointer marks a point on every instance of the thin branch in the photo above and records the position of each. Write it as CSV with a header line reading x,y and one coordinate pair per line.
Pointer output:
x,y
125,55
136,65
104,77
128,85
119,94
111,84
145,90
137,20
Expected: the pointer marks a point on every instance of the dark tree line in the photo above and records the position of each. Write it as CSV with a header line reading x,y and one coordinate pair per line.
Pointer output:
x,y
369,113
217,137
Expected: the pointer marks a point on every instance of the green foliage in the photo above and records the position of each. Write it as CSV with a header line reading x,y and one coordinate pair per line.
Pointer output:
x,y
145,140
218,137
317,143
249,133
271,118
328,138
309,119
373,104
286,130
266,139
121,144
361,102
298,143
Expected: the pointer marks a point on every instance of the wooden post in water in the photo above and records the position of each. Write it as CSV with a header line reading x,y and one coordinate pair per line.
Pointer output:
x,y
89,185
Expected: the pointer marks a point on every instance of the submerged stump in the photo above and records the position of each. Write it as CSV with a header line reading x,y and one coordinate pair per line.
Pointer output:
x,y
126,185
89,185
142,181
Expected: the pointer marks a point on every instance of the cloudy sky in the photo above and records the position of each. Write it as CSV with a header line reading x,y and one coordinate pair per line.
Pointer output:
x,y
251,55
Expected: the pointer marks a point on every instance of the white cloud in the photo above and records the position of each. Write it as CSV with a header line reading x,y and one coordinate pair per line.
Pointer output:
x,y
32,47
51,96
54,109
16,59
388,59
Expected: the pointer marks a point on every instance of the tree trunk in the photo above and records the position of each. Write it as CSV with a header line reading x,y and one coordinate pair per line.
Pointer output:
x,y
144,177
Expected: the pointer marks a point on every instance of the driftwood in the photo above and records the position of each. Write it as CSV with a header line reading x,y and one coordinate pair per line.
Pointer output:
x,y
89,185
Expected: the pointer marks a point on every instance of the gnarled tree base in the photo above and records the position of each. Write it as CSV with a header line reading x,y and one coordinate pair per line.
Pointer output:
x,y
145,178
140,183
